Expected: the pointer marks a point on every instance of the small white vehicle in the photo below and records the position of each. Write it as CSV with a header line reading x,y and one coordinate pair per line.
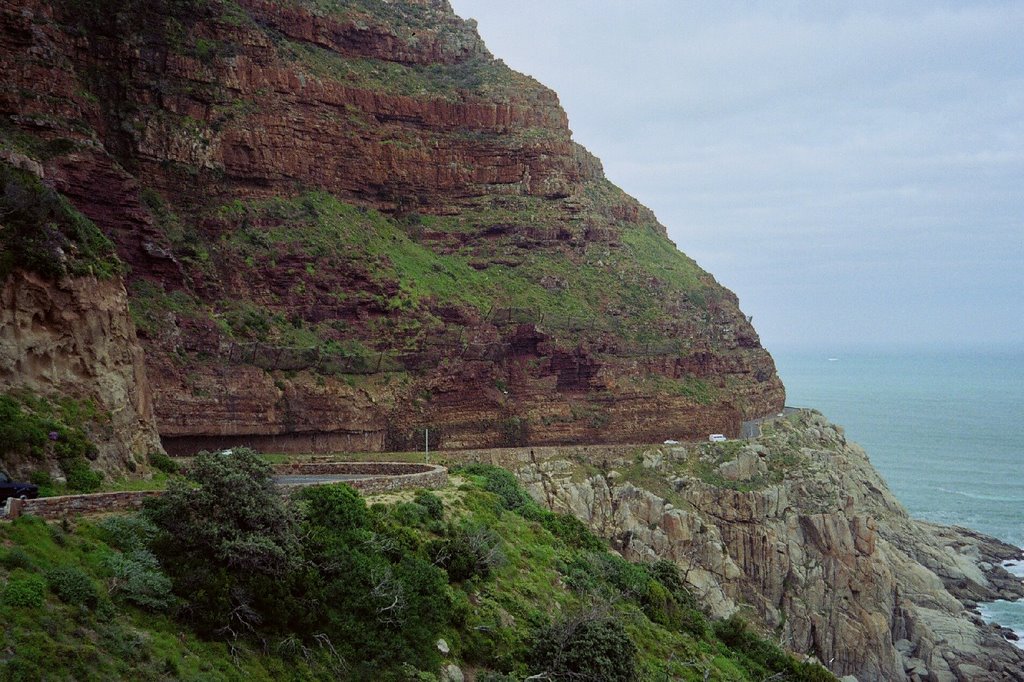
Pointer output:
x,y
671,442
717,438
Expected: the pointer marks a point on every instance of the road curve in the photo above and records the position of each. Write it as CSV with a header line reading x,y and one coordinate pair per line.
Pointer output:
x,y
317,479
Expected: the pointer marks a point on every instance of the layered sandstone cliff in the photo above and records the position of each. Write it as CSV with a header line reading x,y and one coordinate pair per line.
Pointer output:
x,y
799,530
346,222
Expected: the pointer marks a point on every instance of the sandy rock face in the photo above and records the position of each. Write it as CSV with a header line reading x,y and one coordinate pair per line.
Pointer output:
x,y
801,527
76,338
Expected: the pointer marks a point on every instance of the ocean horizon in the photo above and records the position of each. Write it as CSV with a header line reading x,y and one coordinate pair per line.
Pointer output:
x,y
944,427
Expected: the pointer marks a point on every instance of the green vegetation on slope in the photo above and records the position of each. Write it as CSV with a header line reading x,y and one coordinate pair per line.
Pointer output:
x,y
222,579
314,247
34,428
42,232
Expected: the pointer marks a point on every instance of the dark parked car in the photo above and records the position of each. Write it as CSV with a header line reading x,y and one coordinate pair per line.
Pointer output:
x,y
11,488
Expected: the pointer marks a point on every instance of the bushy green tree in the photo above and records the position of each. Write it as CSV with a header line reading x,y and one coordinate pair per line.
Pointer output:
x,y
228,541
379,604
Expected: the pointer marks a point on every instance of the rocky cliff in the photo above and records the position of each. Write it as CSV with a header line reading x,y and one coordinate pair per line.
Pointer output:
x,y
74,338
346,221
798,530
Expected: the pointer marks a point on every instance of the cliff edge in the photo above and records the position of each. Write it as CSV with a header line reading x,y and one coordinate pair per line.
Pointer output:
x,y
345,223
798,530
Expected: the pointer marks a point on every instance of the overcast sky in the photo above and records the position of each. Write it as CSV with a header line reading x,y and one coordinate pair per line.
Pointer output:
x,y
854,171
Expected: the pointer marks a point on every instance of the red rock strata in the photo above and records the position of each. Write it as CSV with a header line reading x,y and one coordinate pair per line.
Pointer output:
x,y
153,121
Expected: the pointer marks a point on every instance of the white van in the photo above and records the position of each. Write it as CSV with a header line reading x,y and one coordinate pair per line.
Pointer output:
x,y
717,438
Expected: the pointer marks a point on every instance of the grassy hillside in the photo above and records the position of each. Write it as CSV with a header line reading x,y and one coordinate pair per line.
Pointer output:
x,y
224,580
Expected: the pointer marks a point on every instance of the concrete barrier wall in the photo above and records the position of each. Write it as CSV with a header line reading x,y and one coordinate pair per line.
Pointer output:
x,y
436,477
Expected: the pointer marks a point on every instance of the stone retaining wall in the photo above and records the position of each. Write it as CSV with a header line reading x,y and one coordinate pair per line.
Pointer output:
x,y
381,477
328,468
73,505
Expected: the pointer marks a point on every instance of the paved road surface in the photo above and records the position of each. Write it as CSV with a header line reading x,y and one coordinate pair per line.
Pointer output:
x,y
318,479
752,428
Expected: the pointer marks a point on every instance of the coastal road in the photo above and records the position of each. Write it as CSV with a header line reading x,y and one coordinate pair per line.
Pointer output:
x,y
752,428
318,479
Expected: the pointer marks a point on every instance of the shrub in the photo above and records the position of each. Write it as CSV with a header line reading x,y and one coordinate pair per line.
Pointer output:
x,y
409,513
24,590
72,586
586,647
571,531
680,608
338,507
764,655
431,502
502,483
581,573
138,579
80,477
16,558
128,532
162,462
468,551
20,432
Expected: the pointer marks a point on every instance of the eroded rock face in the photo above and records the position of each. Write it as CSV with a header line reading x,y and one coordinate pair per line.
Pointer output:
x,y
76,338
812,539
183,137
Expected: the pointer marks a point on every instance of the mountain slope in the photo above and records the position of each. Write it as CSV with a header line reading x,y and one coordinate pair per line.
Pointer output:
x,y
345,222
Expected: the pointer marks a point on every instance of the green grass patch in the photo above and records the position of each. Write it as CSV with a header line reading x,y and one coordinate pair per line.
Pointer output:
x,y
42,429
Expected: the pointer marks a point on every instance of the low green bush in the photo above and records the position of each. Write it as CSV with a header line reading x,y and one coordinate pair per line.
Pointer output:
x,y
468,551
127,532
72,586
21,431
431,502
570,530
137,578
26,590
162,462
761,656
80,477
501,482
14,558
584,647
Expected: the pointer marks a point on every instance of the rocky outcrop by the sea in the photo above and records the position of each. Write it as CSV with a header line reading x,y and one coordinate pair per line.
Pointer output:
x,y
798,530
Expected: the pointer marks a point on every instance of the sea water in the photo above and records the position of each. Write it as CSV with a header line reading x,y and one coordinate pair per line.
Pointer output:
x,y
945,429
